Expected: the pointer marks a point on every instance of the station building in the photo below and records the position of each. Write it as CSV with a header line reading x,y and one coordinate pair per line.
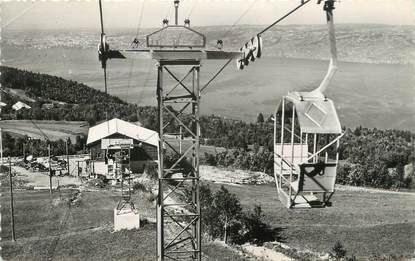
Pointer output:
x,y
110,137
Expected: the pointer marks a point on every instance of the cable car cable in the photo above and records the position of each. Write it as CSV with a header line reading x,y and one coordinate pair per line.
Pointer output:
x,y
263,31
136,42
238,20
192,9
285,16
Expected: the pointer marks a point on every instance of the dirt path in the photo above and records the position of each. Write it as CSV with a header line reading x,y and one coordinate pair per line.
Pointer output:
x,y
266,254
226,176
41,179
372,190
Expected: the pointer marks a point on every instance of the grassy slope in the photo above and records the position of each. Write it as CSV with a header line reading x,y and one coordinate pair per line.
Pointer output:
x,y
46,229
367,224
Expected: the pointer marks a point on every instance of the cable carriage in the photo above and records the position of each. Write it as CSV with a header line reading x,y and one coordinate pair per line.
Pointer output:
x,y
307,131
307,134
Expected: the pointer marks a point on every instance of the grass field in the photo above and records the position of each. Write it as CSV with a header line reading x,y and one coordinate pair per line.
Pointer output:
x,y
62,129
54,230
78,226
54,130
369,225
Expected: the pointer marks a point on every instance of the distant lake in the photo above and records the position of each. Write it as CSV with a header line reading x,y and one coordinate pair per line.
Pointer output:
x,y
371,95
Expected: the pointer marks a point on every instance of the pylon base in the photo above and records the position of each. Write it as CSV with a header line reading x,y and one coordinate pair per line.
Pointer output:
x,y
126,218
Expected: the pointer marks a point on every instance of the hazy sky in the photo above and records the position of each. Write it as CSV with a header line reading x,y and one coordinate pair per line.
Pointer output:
x,y
85,14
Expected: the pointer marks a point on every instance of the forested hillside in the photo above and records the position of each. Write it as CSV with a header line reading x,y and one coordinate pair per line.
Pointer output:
x,y
370,157
71,100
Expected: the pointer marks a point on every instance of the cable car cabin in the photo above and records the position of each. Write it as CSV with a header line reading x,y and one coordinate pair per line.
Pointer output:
x,y
110,140
306,140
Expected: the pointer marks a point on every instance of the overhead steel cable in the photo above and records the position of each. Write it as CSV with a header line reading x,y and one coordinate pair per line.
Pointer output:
x,y
10,21
192,9
132,62
101,18
285,16
135,41
238,20
263,31
41,131
140,19
103,47
216,75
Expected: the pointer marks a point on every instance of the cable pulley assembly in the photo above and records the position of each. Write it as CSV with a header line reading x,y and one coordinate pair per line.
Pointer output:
x,y
252,50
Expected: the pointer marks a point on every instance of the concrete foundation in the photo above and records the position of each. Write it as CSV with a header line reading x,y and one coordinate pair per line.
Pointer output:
x,y
127,218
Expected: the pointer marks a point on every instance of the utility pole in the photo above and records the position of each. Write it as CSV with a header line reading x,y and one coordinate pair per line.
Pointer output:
x,y
50,172
1,146
180,141
1,135
78,168
11,199
67,155
413,155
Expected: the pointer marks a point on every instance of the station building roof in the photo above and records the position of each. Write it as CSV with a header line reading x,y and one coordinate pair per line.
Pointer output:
x,y
117,126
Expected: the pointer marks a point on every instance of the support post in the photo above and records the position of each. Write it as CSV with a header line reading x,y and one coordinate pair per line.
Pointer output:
x,y
306,142
67,155
413,156
301,146
50,172
1,146
337,151
292,151
282,140
196,184
315,148
160,196
181,139
274,147
11,200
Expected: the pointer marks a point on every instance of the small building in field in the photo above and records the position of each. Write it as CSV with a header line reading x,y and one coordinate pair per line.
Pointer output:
x,y
110,137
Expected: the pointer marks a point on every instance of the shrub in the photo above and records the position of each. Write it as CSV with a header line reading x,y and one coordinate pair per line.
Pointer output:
x,y
258,232
139,187
338,251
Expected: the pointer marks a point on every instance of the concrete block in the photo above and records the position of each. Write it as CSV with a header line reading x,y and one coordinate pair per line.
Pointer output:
x,y
127,218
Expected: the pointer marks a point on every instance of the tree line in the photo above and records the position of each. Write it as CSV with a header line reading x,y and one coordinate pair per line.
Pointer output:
x,y
16,146
369,157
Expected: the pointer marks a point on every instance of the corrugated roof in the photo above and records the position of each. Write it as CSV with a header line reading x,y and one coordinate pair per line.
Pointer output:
x,y
117,126
315,113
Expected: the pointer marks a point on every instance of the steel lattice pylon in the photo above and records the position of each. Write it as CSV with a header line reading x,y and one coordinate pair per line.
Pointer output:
x,y
178,226
122,159
178,213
